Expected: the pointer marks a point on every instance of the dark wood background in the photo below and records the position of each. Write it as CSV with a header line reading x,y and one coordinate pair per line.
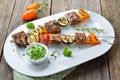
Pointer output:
x,y
106,67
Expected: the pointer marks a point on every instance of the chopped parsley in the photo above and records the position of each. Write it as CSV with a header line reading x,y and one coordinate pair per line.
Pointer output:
x,y
79,47
36,52
23,54
54,52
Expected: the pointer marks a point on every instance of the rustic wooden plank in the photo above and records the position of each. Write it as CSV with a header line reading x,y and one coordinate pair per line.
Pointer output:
x,y
20,8
5,70
96,69
111,10
6,7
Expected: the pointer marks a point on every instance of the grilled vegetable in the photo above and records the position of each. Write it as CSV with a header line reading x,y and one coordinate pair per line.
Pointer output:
x,y
68,39
44,38
63,21
32,39
92,39
33,6
42,29
33,32
83,14
32,36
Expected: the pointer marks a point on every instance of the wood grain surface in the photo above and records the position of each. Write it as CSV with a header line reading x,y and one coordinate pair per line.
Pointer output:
x,y
106,67
114,53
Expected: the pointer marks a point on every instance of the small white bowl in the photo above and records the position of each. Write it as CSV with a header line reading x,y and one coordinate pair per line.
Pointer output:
x,y
40,60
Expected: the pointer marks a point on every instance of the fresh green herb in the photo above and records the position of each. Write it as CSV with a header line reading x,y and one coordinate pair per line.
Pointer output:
x,y
97,30
30,25
55,56
52,54
48,61
36,52
23,54
58,53
79,47
67,52
55,51
88,29
78,29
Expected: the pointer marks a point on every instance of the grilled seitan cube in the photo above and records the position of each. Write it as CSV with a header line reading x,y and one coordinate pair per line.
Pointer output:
x,y
52,27
20,39
80,38
55,38
73,18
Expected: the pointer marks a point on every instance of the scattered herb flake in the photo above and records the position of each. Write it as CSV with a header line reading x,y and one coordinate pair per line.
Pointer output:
x,y
48,61
23,54
79,47
58,53
52,54
55,56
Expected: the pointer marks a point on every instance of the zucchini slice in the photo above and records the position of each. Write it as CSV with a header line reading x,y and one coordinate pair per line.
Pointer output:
x,y
63,21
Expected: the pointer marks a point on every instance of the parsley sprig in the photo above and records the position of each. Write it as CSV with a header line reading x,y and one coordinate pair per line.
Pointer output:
x,y
30,25
67,52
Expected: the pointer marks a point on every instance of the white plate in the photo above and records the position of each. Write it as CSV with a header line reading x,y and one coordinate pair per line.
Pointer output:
x,y
18,62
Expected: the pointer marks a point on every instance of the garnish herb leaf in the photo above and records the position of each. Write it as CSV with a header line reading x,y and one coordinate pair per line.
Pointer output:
x,y
67,52
30,25
79,47
52,54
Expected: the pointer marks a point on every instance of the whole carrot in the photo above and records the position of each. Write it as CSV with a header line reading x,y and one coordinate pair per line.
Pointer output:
x,y
29,15
33,6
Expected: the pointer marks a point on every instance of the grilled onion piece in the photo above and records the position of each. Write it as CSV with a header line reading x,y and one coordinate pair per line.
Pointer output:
x,y
63,21
68,39
32,36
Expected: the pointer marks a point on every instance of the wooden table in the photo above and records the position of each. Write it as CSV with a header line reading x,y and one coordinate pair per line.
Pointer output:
x,y
106,67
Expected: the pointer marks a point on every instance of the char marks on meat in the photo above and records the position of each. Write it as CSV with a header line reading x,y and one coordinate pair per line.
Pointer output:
x,y
73,18
20,39
52,27
55,38
80,38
